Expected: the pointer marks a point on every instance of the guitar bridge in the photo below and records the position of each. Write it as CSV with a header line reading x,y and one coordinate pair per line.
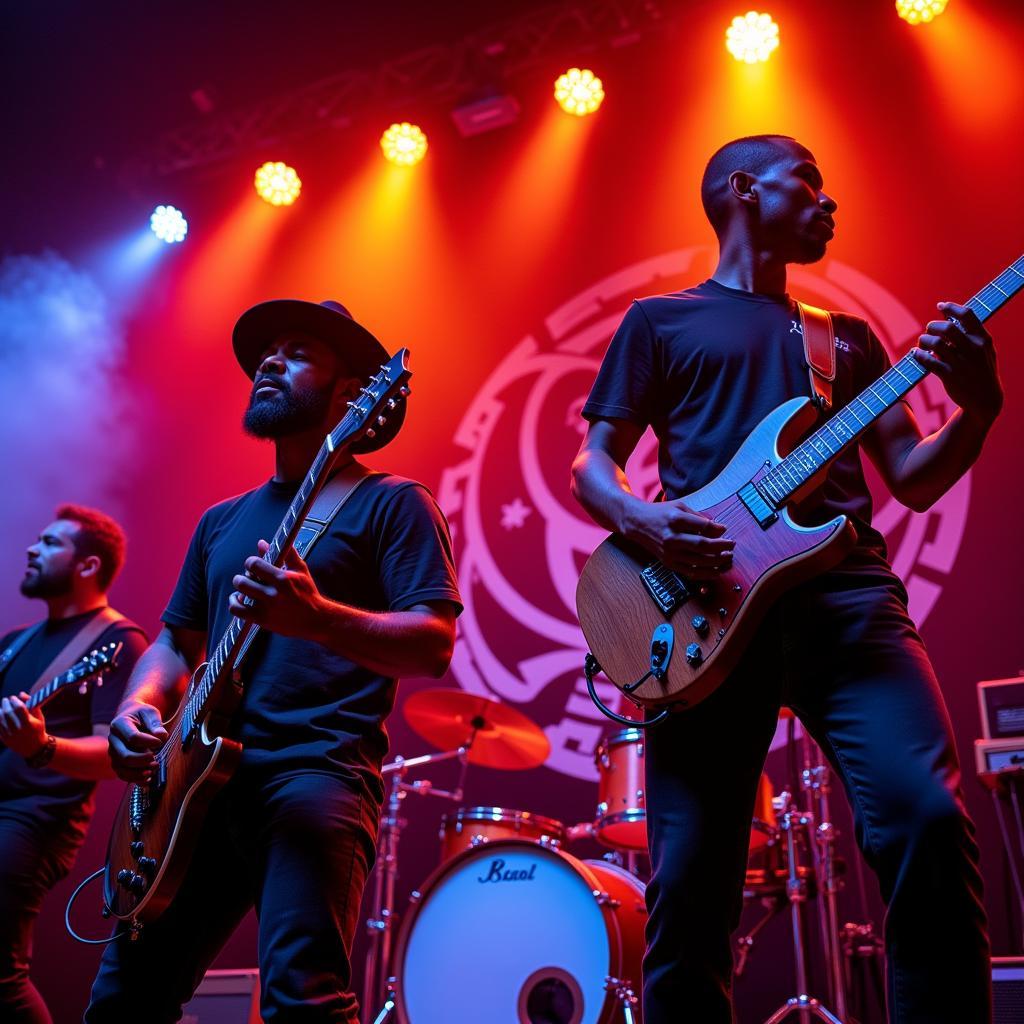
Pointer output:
x,y
667,589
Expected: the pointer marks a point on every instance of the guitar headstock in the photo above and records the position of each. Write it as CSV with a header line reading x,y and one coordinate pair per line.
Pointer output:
x,y
377,401
95,665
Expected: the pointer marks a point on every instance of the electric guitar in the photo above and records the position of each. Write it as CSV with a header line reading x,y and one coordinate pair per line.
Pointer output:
x,y
157,824
85,672
668,642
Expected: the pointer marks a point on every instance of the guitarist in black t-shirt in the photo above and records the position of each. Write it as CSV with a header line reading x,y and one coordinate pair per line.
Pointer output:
x,y
702,367
50,759
292,831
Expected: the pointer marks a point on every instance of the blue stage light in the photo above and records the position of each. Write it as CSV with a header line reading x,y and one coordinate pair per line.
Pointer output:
x,y
168,224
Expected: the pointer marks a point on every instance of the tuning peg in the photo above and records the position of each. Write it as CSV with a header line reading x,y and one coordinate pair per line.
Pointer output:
x,y
392,404
371,433
404,391
381,420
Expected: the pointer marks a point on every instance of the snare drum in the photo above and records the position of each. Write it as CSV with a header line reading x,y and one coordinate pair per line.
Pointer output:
x,y
621,820
517,933
471,826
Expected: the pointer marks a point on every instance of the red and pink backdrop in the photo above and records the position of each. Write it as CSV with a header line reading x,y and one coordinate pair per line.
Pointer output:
x,y
503,262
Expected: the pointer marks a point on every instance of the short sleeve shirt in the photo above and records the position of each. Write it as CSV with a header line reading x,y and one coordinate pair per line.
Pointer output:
x,y
702,367
305,707
41,795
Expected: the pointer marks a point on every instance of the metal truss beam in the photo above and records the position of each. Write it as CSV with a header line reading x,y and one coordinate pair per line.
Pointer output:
x,y
442,73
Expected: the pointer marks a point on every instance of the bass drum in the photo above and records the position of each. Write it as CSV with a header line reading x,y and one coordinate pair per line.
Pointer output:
x,y
518,933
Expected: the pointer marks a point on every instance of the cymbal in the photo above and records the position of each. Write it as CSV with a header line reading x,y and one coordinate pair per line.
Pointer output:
x,y
504,738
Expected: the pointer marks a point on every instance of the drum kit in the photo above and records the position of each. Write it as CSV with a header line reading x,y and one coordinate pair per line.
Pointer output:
x,y
512,928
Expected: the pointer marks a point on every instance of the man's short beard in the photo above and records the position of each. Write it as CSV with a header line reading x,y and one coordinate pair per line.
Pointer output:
x,y
46,586
284,413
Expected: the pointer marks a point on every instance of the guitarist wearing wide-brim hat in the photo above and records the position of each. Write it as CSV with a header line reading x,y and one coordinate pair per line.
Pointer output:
x,y
53,745
707,367
292,831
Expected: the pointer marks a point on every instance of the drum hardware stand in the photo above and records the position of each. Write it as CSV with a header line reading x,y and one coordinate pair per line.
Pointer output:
x,y
816,779
796,893
627,998
379,924
861,946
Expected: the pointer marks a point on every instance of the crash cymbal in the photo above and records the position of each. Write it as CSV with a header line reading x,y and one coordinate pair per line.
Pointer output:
x,y
501,736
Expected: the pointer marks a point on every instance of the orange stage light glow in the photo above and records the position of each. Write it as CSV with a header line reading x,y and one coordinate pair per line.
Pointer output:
x,y
920,11
752,37
277,183
579,91
404,144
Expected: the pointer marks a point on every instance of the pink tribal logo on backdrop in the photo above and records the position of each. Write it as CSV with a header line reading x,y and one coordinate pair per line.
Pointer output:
x,y
521,540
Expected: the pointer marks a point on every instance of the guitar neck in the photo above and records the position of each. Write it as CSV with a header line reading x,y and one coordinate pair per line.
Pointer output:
x,y
818,450
46,693
237,638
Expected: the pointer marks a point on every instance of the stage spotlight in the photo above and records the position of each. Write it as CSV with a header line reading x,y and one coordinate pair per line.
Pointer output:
x,y
168,224
917,11
278,184
404,144
752,37
579,91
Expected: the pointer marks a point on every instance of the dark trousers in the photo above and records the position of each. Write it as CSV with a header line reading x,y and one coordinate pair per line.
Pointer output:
x,y
298,849
33,858
845,655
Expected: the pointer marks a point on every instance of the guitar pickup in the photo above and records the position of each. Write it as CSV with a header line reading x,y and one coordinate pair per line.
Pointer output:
x,y
664,586
758,506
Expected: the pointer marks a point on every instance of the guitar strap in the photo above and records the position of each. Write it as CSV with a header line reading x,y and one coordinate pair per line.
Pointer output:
x,y
80,643
819,352
328,503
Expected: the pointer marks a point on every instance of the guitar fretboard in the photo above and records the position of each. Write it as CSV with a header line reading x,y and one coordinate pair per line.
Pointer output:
x,y
828,441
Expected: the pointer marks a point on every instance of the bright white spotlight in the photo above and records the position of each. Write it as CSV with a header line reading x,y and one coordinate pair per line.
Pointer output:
x,y
919,12
579,91
168,224
752,37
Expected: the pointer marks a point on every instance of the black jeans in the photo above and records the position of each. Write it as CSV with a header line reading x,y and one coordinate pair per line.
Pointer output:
x,y
845,655
298,849
33,858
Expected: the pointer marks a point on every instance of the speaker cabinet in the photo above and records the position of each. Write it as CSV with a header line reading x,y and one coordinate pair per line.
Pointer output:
x,y
226,997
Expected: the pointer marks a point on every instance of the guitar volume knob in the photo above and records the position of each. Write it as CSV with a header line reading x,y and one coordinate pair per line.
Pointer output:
x,y
694,655
700,626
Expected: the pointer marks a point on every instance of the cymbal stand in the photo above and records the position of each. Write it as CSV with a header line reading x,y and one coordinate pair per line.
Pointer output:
x,y
379,925
796,893
816,780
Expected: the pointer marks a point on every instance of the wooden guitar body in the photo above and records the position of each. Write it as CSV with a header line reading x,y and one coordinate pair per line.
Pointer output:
x,y
157,825
712,621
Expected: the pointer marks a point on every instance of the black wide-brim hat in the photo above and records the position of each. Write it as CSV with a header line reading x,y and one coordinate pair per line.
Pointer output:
x,y
331,323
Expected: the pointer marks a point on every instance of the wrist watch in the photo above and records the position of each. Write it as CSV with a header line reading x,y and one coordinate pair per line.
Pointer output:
x,y
44,755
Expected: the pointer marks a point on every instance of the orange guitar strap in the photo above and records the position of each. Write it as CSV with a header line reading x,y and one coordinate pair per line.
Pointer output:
x,y
819,352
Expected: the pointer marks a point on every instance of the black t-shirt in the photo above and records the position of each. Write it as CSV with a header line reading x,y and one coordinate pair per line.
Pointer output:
x,y
305,707
705,365
41,794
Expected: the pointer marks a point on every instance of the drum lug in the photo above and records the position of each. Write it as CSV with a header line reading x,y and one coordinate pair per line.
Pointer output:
x,y
477,840
415,896
550,842
602,808
604,900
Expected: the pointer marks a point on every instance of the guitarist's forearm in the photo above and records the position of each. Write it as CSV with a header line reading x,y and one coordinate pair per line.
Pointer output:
x,y
395,644
601,487
160,675
82,757
936,462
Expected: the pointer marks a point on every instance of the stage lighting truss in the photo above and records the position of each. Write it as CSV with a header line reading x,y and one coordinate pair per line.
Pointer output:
x,y
404,144
168,224
277,183
752,37
579,91
920,11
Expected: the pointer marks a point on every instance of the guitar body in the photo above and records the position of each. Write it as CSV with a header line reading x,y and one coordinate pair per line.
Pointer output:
x,y
165,817
620,616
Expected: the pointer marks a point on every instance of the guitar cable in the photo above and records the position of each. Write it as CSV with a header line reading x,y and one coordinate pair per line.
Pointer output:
x,y
591,667
67,915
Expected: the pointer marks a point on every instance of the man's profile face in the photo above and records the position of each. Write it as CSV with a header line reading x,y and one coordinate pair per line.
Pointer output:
x,y
293,387
796,214
52,561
